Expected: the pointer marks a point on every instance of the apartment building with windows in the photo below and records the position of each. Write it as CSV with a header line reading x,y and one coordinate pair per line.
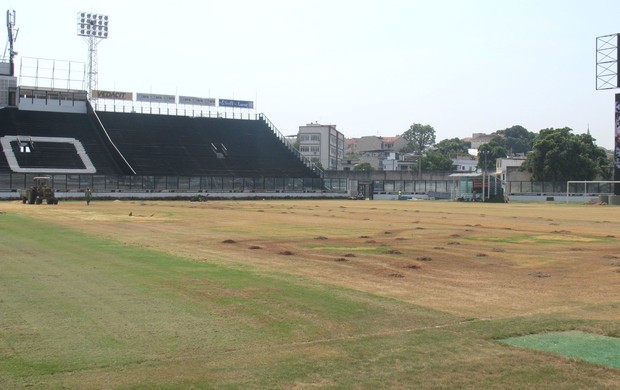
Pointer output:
x,y
322,143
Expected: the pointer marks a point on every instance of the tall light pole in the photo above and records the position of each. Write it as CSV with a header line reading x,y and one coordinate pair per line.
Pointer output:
x,y
93,28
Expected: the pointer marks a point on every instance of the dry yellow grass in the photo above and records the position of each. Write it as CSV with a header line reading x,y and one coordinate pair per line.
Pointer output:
x,y
471,260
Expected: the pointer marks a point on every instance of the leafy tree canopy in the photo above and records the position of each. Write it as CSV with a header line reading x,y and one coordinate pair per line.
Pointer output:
x,y
419,137
436,161
559,155
516,139
488,153
453,147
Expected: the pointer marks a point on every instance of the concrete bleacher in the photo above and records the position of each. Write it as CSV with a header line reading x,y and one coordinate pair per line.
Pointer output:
x,y
185,146
112,143
57,142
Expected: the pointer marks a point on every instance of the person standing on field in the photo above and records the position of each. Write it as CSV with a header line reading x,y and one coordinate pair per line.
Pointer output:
x,y
88,194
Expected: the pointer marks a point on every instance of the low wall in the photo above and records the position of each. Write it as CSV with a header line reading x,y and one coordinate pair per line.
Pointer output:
x,y
188,195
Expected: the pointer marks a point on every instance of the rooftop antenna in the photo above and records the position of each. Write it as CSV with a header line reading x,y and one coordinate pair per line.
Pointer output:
x,y
93,28
10,26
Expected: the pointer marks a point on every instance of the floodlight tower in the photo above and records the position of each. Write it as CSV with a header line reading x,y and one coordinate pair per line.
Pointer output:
x,y
94,28
607,71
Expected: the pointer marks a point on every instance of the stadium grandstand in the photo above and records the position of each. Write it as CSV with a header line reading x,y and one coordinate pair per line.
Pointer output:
x,y
61,133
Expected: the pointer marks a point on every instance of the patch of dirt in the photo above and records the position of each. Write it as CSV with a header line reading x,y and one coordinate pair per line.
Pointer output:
x,y
481,255
320,238
341,259
255,247
394,252
479,287
229,242
412,266
396,275
539,275
349,255
286,253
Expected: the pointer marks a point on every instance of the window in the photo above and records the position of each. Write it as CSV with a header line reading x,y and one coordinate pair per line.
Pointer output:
x,y
315,137
304,137
304,149
315,149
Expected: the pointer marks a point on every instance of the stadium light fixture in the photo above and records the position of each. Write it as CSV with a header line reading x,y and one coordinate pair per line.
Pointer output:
x,y
93,25
93,28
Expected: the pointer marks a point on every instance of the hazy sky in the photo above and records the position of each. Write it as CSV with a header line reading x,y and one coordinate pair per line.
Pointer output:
x,y
369,67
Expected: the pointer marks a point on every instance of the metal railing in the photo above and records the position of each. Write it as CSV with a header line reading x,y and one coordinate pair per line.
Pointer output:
x,y
317,171
11,182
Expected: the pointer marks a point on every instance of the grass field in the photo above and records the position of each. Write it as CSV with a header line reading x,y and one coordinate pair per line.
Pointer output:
x,y
303,294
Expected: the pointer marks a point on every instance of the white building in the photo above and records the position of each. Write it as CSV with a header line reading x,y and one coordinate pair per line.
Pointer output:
x,y
322,143
464,164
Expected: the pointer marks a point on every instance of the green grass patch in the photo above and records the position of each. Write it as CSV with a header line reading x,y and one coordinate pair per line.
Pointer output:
x,y
574,344
541,239
74,303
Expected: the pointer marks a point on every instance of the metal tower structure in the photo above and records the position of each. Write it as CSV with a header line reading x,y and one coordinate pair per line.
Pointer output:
x,y
607,70
12,31
93,28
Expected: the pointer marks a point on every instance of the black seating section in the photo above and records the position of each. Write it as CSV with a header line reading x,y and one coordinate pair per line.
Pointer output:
x,y
48,155
165,145
153,145
81,127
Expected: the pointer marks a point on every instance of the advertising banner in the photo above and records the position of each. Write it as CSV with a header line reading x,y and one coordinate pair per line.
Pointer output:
x,y
155,98
196,101
236,103
112,95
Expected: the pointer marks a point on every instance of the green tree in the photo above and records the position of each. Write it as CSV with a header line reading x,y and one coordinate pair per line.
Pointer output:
x,y
363,167
516,139
436,161
419,137
453,147
559,155
488,153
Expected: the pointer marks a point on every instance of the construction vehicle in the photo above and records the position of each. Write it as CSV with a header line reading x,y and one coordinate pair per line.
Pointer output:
x,y
39,192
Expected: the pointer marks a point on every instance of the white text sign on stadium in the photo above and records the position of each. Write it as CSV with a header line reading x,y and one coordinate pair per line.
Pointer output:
x,y
196,101
112,95
236,103
155,98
